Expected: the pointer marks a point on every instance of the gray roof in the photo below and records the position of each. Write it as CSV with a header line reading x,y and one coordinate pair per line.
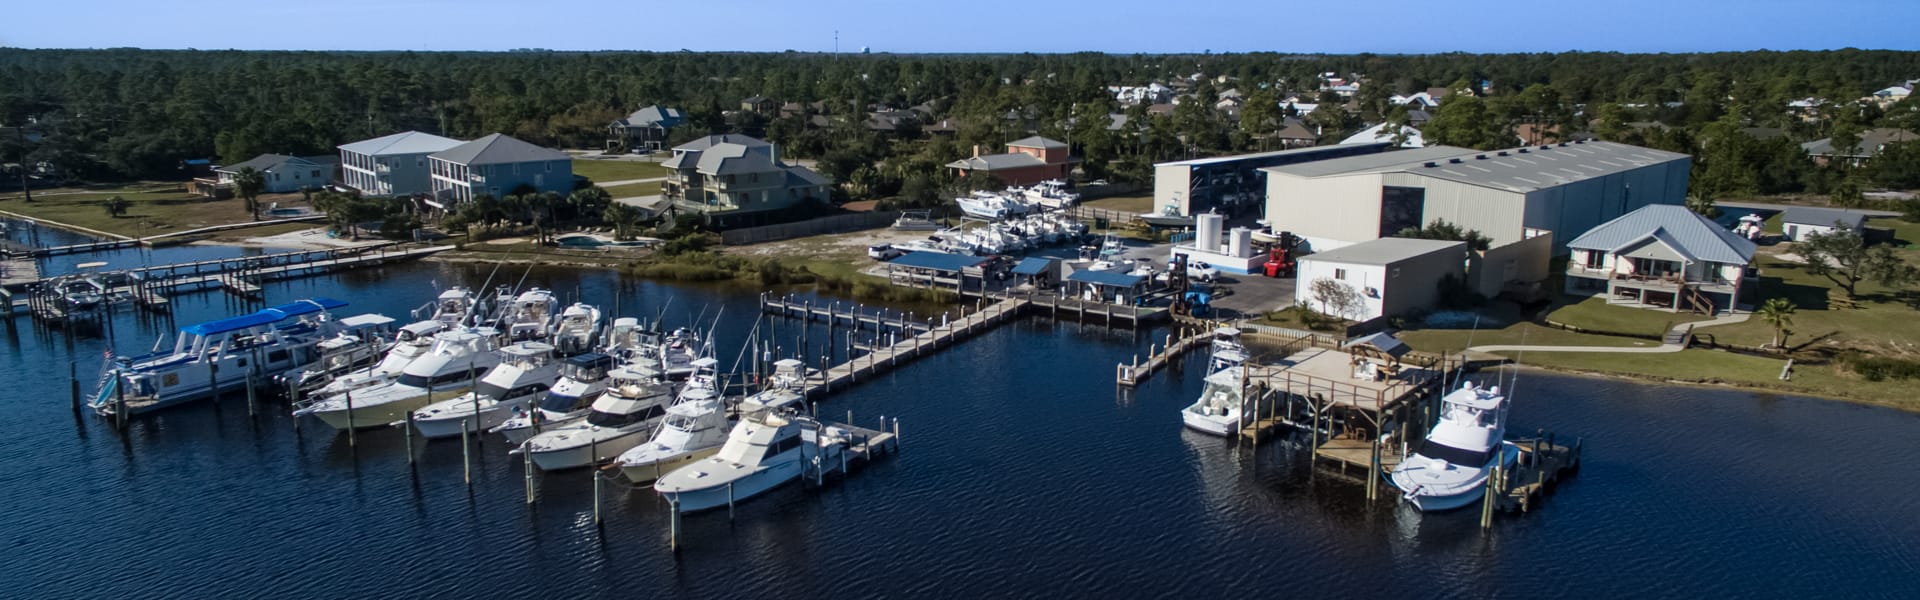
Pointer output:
x,y
710,141
1035,141
653,115
497,149
405,142
1826,217
797,175
1521,169
1871,141
1240,157
268,162
995,162
1386,251
1684,230
734,159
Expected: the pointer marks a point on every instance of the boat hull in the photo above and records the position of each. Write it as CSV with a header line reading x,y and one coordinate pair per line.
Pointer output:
x,y
574,457
453,423
520,435
1428,503
382,414
647,472
718,496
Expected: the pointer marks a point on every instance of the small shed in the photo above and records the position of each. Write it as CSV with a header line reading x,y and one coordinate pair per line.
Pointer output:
x,y
1107,286
1039,272
1802,220
932,269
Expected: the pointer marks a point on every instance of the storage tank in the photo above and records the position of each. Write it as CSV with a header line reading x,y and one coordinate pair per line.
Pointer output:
x,y
1240,242
1206,235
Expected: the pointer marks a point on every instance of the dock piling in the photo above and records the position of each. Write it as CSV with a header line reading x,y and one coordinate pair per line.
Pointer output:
x,y
351,440
466,456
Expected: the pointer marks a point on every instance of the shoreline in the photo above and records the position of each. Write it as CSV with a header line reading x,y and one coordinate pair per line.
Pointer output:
x,y
1724,385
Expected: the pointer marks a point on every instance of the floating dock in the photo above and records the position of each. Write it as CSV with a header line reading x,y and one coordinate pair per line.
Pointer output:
x,y
915,340
150,286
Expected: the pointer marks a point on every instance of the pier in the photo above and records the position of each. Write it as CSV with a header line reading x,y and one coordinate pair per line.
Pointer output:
x,y
1130,375
912,339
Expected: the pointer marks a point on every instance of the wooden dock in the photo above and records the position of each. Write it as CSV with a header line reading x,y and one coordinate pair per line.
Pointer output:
x,y
1131,375
851,315
883,358
1053,306
1527,483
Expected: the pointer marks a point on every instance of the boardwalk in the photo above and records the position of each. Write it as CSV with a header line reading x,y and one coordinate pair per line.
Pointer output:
x,y
923,338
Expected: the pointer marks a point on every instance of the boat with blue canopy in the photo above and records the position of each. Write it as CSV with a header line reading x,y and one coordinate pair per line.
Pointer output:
x,y
217,356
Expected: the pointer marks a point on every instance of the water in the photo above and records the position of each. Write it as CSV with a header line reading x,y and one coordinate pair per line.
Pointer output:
x,y
1021,474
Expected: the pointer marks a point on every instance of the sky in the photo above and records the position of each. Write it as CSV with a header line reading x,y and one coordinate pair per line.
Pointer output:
x,y
1119,26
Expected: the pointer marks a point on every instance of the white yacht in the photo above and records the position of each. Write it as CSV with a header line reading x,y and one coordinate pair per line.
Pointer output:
x,y
694,428
771,446
1052,193
1451,467
411,342
678,352
526,371
529,316
621,418
916,220
458,359
452,307
362,340
1228,352
217,355
576,329
1218,409
582,380
989,205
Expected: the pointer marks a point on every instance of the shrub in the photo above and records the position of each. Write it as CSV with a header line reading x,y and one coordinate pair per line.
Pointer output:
x,y
1880,368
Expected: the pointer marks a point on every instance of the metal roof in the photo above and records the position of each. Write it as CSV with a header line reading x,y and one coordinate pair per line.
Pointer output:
x,y
266,316
498,148
1034,141
1369,162
1032,266
703,143
1386,251
994,162
1106,278
268,162
405,142
654,115
1382,340
1522,169
1825,217
1308,151
1688,233
938,261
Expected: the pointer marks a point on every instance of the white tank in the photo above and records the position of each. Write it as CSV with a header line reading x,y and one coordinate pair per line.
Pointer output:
x,y
1206,235
1240,242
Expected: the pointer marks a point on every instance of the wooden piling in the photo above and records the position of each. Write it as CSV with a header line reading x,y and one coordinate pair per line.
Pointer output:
x,y
466,457
351,441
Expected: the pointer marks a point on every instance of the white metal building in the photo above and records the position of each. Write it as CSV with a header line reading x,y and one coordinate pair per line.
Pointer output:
x,y
1800,221
1393,276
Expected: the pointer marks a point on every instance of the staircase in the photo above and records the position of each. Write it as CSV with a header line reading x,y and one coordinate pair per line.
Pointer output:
x,y
1678,336
1693,301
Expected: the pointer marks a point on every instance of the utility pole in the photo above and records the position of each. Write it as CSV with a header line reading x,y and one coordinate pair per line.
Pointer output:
x,y
20,134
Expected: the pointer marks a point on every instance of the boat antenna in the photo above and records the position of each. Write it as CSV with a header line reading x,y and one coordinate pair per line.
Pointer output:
x,y
660,314
1463,353
735,369
484,286
1522,354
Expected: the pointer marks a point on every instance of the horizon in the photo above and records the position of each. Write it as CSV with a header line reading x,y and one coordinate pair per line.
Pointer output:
x,y
1125,27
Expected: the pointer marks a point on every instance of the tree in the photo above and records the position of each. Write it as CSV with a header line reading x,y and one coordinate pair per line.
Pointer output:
x,y
1336,298
589,202
1778,313
1440,229
623,218
247,184
1842,256
117,206
1701,203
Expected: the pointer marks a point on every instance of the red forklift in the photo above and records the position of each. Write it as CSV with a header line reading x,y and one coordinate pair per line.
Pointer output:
x,y
1280,256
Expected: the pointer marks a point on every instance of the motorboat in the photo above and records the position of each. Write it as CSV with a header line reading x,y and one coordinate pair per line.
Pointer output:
x,y
678,351
621,418
1752,226
694,427
1168,217
916,220
582,380
1052,193
1228,352
1451,467
80,292
215,356
529,316
989,205
457,361
576,329
526,371
771,446
361,341
452,307
409,343
1218,410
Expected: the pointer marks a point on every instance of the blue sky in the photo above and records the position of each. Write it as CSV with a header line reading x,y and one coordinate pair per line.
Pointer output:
x,y
1388,26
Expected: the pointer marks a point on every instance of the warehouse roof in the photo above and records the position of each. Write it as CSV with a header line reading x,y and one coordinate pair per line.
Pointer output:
x,y
1683,230
1308,151
1107,278
1517,169
938,261
1367,163
1386,251
1825,217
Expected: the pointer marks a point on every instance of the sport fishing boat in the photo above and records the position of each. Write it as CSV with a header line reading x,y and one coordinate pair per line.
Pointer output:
x,y
770,447
575,330
621,418
582,380
452,307
1228,352
530,316
1218,410
362,340
990,206
694,428
457,361
208,358
678,352
1169,216
411,342
526,371
1451,467
1052,193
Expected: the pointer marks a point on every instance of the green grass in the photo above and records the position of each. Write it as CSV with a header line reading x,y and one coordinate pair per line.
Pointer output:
x,y
617,170
1455,340
1886,320
634,189
1595,314
1726,368
156,209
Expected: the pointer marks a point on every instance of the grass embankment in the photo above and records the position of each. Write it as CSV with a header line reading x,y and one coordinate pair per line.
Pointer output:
x,y
1595,315
634,189
156,208
1126,204
602,171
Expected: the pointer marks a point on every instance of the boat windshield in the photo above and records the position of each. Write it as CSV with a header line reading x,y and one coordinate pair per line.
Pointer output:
x,y
1457,456
683,422
607,419
490,390
422,381
563,403
583,373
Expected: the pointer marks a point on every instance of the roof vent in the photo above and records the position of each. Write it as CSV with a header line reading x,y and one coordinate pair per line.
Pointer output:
x,y
1523,150
1431,164
1503,153
1480,157
1453,160
1546,146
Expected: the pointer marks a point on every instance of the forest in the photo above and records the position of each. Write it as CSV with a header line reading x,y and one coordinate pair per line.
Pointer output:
x,y
119,114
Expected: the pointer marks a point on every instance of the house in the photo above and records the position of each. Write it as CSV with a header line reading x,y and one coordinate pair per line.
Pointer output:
x,y
734,173
279,173
644,130
496,165
1533,134
891,121
1160,109
1296,135
392,165
1027,161
1662,257
759,104
1391,276
1386,132
1800,221
1890,95
1422,100
941,127
1872,141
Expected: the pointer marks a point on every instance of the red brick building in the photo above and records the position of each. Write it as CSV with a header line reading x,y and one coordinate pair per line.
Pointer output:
x,y
1027,161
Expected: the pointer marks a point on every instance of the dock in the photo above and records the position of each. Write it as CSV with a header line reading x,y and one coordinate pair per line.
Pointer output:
x,y
831,313
1130,375
914,341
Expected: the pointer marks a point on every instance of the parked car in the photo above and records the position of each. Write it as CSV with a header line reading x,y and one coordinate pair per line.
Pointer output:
x,y
884,252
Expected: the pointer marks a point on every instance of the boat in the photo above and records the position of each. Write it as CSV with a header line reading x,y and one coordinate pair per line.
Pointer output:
x,y
582,380
1052,193
1169,216
916,220
620,419
1451,467
575,330
1218,410
529,316
361,341
457,361
694,427
215,356
452,307
989,205
677,352
409,343
80,291
771,446
526,371
1228,352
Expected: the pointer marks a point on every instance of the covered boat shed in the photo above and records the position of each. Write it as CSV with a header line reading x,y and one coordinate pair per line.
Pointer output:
x,y
1037,272
935,269
1109,286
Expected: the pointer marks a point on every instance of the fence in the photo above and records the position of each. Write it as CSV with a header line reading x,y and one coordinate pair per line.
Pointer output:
x,y
786,231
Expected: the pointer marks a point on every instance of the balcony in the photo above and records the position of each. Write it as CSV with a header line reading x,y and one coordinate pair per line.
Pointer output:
x,y
1578,270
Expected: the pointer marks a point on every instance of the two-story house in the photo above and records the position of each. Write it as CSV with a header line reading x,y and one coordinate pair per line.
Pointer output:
x,y
279,173
732,172
495,166
644,130
393,165
1662,257
1027,161
759,104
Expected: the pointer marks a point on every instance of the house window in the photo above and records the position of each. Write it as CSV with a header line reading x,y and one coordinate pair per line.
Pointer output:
x,y
1340,274
1396,272
754,178
1596,260
316,173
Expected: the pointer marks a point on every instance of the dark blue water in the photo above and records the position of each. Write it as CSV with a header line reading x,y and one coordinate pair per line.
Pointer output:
x,y
1022,474
43,236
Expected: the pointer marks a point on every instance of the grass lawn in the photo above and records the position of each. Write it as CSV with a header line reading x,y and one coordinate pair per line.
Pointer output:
x,y
1128,204
1455,340
1713,367
156,209
617,170
634,189
1595,314
1886,320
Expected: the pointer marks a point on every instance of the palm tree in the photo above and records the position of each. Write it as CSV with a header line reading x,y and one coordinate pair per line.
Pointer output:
x,y
117,207
1778,312
623,218
247,185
